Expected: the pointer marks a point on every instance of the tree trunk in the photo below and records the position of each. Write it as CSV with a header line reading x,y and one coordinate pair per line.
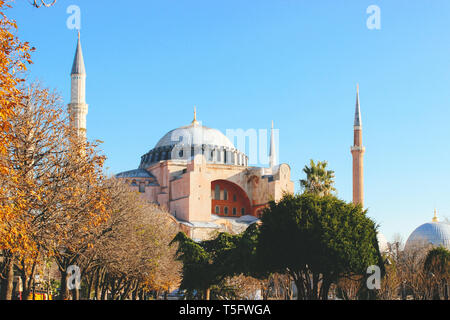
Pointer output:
x,y
324,289
126,292
315,287
34,291
445,288
25,286
98,283
9,281
134,293
75,294
64,294
300,289
27,280
90,284
104,295
98,292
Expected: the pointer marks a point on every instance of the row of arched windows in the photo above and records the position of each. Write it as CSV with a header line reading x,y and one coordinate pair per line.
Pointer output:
x,y
225,210
225,194
157,155
227,157
219,155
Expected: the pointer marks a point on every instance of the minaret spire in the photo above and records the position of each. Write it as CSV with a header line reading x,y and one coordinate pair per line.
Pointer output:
x,y
78,109
272,153
435,218
358,122
78,61
358,155
195,116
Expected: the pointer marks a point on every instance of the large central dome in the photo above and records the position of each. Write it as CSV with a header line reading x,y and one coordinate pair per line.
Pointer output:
x,y
194,134
185,142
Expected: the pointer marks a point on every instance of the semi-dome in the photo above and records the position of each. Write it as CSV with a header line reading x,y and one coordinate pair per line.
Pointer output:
x,y
435,233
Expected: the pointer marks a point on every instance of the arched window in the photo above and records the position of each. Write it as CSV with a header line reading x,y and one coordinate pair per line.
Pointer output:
x,y
225,210
225,194
217,209
234,211
217,192
218,155
243,211
234,198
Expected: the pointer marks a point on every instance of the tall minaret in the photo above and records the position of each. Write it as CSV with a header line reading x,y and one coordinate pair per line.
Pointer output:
x,y
358,154
77,107
272,153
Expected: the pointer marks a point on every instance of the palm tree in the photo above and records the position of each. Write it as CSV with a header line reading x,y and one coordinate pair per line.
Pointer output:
x,y
319,180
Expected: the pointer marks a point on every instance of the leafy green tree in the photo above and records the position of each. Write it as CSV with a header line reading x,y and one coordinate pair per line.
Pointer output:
x,y
197,271
318,180
437,266
438,261
317,240
206,264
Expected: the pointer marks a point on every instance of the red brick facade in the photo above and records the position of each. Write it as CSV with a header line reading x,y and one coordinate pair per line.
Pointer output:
x,y
228,199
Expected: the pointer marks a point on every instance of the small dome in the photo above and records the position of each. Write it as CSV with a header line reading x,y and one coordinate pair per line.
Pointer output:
x,y
137,173
435,233
382,242
194,134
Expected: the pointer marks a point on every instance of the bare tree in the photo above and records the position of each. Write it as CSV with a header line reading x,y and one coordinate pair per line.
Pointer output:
x,y
133,254
40,3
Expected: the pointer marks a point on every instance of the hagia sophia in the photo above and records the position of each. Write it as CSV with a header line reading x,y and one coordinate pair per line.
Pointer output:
x,y
199,176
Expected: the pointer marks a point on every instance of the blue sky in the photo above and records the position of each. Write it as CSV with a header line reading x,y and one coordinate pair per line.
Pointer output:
x,y
245,63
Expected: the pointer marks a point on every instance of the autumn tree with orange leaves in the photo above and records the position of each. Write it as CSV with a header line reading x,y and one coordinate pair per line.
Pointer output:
x,y
56,194
50,179
14,58
55,202
35,155
83,209
66,211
